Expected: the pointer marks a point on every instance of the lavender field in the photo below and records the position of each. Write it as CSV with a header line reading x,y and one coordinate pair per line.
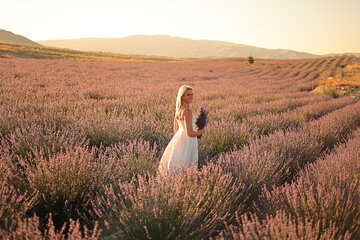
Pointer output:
x,y
80,143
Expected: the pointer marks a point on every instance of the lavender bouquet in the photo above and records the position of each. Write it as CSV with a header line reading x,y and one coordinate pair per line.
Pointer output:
x,y
201,119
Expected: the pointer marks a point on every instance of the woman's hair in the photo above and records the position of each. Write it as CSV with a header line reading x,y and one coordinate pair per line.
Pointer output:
x,y
181,92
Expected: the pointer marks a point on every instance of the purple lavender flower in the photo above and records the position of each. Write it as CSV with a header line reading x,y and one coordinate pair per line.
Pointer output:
x,y
201,119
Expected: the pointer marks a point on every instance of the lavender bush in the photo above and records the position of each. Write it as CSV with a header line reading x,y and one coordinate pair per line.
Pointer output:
x,y
280,226
326,192
30,229
190,205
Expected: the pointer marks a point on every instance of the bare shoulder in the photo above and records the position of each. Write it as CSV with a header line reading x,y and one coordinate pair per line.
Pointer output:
x,y
187,113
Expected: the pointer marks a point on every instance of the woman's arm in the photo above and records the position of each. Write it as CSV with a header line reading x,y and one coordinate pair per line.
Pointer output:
x,y
188,124
176,126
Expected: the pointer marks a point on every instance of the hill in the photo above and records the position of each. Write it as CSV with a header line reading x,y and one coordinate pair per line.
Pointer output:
x,y
162,45
11,38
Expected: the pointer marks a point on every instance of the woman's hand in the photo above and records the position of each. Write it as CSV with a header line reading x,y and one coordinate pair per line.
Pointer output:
x,y
201,131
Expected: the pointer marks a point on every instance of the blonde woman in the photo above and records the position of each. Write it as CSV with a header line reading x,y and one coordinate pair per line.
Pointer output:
x,y
182,149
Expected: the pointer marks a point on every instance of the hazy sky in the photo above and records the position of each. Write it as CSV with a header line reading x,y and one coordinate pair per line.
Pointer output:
x,y
315,26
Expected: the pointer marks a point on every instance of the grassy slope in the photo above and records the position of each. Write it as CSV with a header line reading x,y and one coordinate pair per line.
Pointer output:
x,y
22,51
345,83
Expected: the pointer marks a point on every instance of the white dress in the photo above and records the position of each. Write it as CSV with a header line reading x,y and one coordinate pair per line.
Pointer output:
x,y
181,151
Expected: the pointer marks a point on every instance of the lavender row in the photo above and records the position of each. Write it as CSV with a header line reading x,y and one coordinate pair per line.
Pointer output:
x,y
323,203
294,118
226,135
276,158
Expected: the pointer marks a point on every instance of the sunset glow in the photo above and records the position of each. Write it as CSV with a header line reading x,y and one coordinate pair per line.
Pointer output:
x,y
317,27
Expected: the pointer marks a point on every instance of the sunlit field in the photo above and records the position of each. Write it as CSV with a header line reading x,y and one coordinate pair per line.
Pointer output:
x,y
81,141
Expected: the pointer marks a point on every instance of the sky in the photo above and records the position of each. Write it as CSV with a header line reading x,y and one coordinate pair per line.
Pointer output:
x,y
313,26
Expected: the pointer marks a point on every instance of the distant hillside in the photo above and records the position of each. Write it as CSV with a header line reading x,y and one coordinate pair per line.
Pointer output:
x,y
11,38
161,45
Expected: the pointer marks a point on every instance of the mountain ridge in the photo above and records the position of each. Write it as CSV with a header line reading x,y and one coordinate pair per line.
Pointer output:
x,y
164,45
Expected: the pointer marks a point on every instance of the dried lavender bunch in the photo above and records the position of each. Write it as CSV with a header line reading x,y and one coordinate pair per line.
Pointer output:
x,y
201,119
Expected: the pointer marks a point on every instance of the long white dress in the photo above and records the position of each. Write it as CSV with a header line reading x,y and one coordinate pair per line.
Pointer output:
x,y
181,151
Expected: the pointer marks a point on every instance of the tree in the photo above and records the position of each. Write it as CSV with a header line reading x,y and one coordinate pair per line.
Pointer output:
x,y
250,59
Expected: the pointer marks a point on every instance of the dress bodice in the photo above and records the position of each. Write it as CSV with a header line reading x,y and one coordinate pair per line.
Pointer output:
x,y
181,123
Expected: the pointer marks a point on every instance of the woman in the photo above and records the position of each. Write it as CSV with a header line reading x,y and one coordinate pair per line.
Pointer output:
x,y
182,149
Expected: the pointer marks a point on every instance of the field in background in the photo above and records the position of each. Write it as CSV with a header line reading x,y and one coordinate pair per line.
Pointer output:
x,y
23,51
82,140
